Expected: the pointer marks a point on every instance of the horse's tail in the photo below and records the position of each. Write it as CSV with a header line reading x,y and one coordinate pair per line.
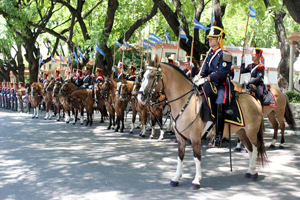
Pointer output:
x,y
289,116
261,149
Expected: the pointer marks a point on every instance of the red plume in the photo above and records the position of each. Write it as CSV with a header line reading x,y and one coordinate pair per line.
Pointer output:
x,y
215,23
254,45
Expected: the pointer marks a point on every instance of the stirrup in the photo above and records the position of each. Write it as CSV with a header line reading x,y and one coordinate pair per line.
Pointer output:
x,y
218,141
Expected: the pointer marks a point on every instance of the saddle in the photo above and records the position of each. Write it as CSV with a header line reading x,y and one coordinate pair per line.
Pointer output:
x,y
233,112
269,99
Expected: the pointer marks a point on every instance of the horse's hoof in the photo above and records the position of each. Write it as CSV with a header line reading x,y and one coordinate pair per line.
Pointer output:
x,y
174,183
254,177
101,121
137,127
272,146
244,151
58,120
108,128
237,149
130,132
195,186
175,141
90,124
281,147
160,139
67,122
36,117
81,123
87,123
74,123
247,175
142,136
116,130
150,137
121,130
45,118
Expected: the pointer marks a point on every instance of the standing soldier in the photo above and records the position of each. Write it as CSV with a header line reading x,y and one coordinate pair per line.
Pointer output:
x,y
257,71
14,103
3,91
99,77
1,95
58,76
21,97
87,79
216,69
189,68
131,71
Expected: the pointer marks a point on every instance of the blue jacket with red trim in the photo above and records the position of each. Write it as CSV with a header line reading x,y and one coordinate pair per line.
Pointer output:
x,y
257,72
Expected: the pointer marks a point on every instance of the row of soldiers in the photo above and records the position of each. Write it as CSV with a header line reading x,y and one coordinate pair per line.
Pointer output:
x,y
8,95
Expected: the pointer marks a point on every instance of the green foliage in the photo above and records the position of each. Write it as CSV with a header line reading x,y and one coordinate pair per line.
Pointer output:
x,y
294,97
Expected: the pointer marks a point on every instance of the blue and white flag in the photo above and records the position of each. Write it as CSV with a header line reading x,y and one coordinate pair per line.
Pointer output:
x,y
183,35
61,58
198,25
69,60
167,38
98,49
80,53
212,19
126,44
147,46
146,42
155,38
41,61
117,43
52,59
75,57
252,12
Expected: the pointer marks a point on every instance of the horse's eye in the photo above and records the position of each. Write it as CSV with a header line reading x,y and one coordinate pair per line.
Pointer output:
x,y
151,76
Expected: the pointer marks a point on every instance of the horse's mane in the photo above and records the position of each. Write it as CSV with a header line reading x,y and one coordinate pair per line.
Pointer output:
x,y
178,70
69,81
79,88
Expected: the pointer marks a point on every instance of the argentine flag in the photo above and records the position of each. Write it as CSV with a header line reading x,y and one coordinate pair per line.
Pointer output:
x,y
117,43
146,42
52,59
80,53
183,35
41,61
126,44
146,47
252,12
75,57
61,58
155,38
98,49
198,25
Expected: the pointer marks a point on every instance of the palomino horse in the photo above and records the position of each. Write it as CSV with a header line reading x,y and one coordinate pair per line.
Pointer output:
x,y
184,101
83,98
65,91
56,98
48,88
108,91
100,102
282,111
36,97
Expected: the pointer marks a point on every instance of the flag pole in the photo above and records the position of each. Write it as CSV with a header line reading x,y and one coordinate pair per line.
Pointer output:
x,y
113,74
142,55
177,54
192,47
77,68
162,47
147,47
95,58
244,41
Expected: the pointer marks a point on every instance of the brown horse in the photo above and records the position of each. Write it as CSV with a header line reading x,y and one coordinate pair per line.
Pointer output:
x,y
282,111
188,123
48,88
36,97
21,94
65,91
108,91
100,102
83,98
56,98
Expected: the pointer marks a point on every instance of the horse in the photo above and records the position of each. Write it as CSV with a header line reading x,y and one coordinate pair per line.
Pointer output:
x,y
80,98
48,88
65,91
36,97
185,101
282,111
21,93
56,98
108,91
100,102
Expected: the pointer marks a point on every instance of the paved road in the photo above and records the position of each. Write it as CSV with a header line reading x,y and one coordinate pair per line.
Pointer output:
x,y
52,160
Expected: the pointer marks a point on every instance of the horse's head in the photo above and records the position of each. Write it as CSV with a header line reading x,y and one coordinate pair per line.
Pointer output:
x,y
65,88
50,86
106,86
152,81
56,88
45,86
123,90
35,90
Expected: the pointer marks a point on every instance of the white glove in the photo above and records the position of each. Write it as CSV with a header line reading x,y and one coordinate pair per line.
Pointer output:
x,y
59,76
52,75
141,70
113,69
93,75
177,63
122,71
246,82
77,74
199,81
191,64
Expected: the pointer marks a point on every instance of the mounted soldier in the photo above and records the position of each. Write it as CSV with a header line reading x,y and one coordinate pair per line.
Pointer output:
x,y
78,79
98,77
131,71
58,76
87,79
216,70
189,68
45,77
67,76
118,76
257,71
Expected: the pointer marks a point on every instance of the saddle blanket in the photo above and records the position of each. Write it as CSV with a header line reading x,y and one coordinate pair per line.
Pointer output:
x,y
269,99
233,114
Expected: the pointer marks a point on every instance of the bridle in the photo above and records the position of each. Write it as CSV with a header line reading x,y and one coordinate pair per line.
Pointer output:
x,y
124,93
63,91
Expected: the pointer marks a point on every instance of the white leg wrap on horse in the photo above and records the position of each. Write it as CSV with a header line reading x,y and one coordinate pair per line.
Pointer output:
x,y
273,141
46,117
153,131
178,170
81,119
252,159
198,175
239,145
50,116
281,145
37,112
33,115
143,132
161,137
132,127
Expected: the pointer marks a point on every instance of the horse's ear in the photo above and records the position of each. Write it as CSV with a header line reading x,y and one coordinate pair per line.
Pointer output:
x,y
156,60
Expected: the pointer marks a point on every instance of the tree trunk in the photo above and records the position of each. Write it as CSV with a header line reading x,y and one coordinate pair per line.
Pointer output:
x,y
293,7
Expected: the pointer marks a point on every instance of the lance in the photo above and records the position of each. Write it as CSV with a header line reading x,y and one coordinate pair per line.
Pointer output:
x,y
192,48
177,54
147,48
142,55
113,74
162,47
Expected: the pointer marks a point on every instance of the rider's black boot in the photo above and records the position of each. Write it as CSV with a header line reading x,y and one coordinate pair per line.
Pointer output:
x,y
219,124
261,99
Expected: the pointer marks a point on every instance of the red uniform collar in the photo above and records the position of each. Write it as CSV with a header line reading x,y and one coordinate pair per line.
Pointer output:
x,y
216,49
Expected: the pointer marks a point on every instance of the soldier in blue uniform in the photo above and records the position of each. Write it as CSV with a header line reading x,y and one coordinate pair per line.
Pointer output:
x,y
58,76
1,95
13,91
131,71
3,91
45,77
189,69
98,77
79,80
216,69
118,76
67,76
257,70
232,73
88,78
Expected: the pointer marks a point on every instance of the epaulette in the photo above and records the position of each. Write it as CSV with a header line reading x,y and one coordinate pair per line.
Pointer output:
x,y
262,67
232,70
226,56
